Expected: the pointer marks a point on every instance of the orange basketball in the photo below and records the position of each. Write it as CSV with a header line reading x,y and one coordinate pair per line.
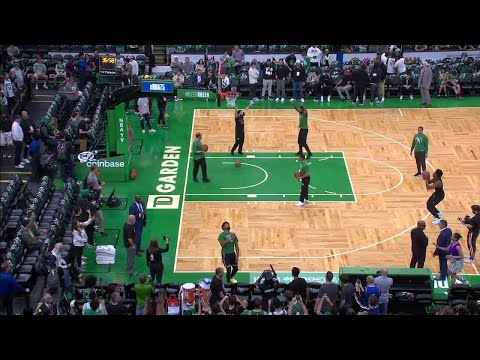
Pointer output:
x,y
298,174
133,174
238,164
426,175
205,147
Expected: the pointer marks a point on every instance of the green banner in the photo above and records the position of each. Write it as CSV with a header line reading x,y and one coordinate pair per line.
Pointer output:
x,y
111,132
115,168
121,129
196,94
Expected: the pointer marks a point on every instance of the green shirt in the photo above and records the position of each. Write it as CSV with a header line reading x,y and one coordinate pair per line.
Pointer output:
x,y
143,292
196,146
91,312
230,247
420,143
297,309
304,168
303,120
251,312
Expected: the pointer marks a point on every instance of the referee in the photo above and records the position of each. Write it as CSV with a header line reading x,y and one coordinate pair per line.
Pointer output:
x,y
199,158
240,129
302,134
230,251
420,146
305,179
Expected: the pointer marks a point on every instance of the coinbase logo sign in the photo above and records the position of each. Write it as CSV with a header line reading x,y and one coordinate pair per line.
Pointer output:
x,y
160,202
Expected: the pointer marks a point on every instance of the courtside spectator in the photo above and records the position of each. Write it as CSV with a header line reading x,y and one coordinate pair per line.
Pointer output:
x,y
6,140
327,295
60,72
298,285
384,283
188,67
281,75
176,65
116,307
299,76
16,75
198,79
178,81
253,75
238,55
144,293
268,76
314,54
347,294
345,85
40,73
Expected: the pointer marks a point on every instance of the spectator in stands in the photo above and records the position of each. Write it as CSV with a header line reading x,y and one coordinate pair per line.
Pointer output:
x,y
16,75
314,54
70,68
176,65
17,136
390,68
41,233
149,53
370,289
277,305
83,131
257,308
47,306
198,79
299,76
60,72
424,83
239,56
225,82
8,285
210,81
82,71
200,66
253,75
80,212
6,141
400,65
120,63
28,127
30,240
40,73
48,133
268,77
384,283
154,259
290,61
325,59
178,81
327,295
35,154
12,52
3,99
454,83
360,80
406,86
234,307
134,64
64,158
443,83
72,93
80,239
326,85
9,89
127,73
281,76
375,76
217,289
347,294
344,85
298,285
95,307
62,266
144,294
116,307
188,67
129,242
296,305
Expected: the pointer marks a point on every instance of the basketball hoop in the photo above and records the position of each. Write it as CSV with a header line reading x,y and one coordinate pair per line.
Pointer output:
x,y
231,97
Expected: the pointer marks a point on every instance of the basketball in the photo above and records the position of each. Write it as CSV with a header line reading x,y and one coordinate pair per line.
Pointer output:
x,y
238,164
133,174
425,175
205,147
298,174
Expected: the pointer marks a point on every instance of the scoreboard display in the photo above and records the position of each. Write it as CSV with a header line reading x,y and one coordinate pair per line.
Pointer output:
x,y
108,65
157,86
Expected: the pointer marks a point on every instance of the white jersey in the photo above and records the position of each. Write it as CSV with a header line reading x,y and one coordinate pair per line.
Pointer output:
x,y
7,85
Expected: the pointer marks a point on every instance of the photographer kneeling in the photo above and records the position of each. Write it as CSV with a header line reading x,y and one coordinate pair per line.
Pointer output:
x,y
95,186
473,225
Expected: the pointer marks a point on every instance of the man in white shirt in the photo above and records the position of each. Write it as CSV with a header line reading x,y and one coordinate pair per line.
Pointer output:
x,y
253,75
134,64
400,65
314,54
17,136
144,109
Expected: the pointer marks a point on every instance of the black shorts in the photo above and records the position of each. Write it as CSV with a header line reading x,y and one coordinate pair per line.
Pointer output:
x,y
230,259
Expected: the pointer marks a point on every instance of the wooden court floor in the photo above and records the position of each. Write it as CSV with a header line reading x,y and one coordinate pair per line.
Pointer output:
x,y
374,231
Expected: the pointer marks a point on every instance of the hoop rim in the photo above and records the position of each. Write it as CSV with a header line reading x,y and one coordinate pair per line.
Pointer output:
x,y
232,94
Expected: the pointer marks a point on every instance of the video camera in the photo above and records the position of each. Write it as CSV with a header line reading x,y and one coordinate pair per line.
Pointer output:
x,y
466,220
270,278
96,198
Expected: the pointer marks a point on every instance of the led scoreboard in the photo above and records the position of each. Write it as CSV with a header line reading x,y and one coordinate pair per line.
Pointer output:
x,y
157,86
107,69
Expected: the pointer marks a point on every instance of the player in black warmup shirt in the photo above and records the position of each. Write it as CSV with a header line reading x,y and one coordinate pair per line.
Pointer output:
x,y
240,129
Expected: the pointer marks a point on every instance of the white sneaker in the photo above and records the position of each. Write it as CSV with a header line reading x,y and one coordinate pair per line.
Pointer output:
x,y
152,130
302,100
143,131
9,155
299,204
233,281
175,98
19,167
45,86
328,98
306,201
401,97
26,161
383,99
411,97
283,99
292,99
468,260
22,163
440,213
436,222
321,98
36,86
277,99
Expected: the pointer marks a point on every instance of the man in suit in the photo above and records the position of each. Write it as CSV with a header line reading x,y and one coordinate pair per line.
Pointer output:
x,y
138,210
198,79
419,245
443,240
424,82
151,57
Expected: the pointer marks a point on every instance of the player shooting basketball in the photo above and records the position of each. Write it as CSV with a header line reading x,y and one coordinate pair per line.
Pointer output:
x,y
240,129
303,132
437,196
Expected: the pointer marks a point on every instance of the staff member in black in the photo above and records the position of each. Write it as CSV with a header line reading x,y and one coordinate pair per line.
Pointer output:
x,y
437,196
303,132
154,259
162,111
240,129
473,225
419,245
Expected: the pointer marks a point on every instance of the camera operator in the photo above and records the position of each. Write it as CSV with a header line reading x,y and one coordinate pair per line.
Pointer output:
x,y
473,225
95,186
80,211
269,286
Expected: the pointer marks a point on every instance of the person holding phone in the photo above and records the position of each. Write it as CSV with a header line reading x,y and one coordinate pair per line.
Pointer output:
x,y
154,259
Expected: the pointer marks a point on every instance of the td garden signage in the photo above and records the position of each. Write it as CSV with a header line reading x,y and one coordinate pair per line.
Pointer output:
x,y
196,94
